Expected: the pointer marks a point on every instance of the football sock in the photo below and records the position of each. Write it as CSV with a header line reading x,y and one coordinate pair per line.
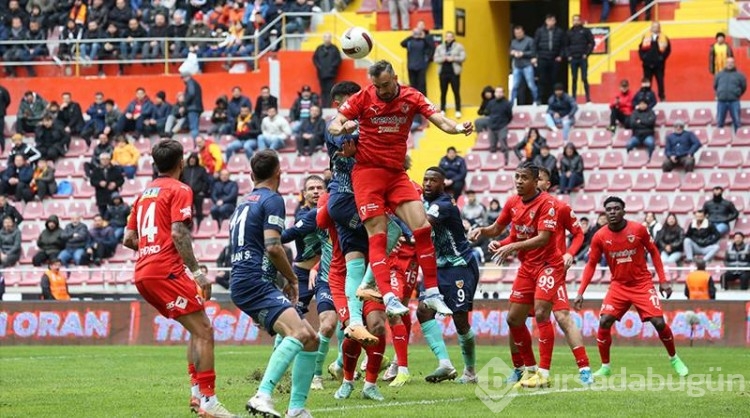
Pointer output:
x,y
322,353
351,350
522,340
434,337
379,262
206,382
467,349
355,270
517,359
277,340
374,359
582,359
192,372
546,343
302,375
406,319
280,360
667,339
400,344
426,256
604,341
340,338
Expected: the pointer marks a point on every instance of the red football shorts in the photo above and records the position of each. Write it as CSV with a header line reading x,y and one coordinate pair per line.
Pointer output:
x,y
377,189
644,297
172,298
537,283
336,282
404,272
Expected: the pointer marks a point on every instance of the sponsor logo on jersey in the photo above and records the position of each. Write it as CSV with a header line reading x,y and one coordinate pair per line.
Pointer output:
x,y
151,193
368,208
186,212
624,256
433,211
253,198
276,220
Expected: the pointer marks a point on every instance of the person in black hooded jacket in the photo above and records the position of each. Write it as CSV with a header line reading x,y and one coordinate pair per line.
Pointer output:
x,y
482,123
50,242
196,176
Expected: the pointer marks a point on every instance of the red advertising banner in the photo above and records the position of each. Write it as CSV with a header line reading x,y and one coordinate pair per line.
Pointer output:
x,y
705,322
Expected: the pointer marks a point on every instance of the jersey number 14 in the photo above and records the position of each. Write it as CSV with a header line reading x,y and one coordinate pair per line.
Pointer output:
x,y
146,226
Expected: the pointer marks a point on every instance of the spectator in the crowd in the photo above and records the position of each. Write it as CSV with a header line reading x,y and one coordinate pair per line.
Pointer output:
x,y
699,285
117,215
729,85
111,47
196,176
70,115
102,243
224,194
652,224
54,283
110,118
327,60
419,52
701,238
530,146
606,8
136,114
455,170
19,147
210,155
120,14
500,113
437,14
221,123
482,123
578,46
76,237
654,51
588,234
681,146
193,103
450,56
737,256
473,211
178,118
643,125
399,9
49,242
224,261
549,41
264,102
198,30
5,100
571,169
98,12
646,4
18,50
274,131
670,240
43,184
95,125
645,94
246,130
547,160
719,53
10,243
92,46
106,178
178,29
132,45
493,211
301,107
16,180
159,29
103,146
51,139
236,103
31,110
298,24
37,50
311,133
720,211
126,156
6,209
157,123
561,111
621,107
523,54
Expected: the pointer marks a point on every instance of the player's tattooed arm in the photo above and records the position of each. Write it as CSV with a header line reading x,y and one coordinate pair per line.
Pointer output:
x,y
340,125
184,245
277,255
451,127
130,240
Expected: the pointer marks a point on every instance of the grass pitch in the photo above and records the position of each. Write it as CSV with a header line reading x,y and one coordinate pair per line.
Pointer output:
x,y
124,381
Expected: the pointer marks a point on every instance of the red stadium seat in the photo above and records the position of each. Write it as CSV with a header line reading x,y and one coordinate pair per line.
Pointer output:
x,y
693,182
208,229
718,178
564,198
290,204
611,160
245,185
58,208
30,278
33,210
644,182
702,117
668,182
84,191
146,167
538,120
745,115
661,118
123,254
584,203
621,182
739,202
212,250
731,159
77,148
579,139
622,137
78,208
494,162
288,185
601,139
473,161
702,134
634,203
143,145
658,203
206,206
502,183
30,230
478,183
679,114
320,162
742,225
587,119
132,188
67,168
238,164
483,142
514,137
597,182
284,162
656,159
683,203
721,137
590,160
301,165
521,120
741,181
554,140
604,117
636,159
742,137
708,159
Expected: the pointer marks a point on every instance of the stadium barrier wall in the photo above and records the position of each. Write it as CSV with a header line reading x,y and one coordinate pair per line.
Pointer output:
x,y
721,323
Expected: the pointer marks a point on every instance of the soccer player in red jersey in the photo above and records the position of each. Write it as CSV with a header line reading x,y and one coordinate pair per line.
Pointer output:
x,y
159,230
625,243
533,216
383,113
561,307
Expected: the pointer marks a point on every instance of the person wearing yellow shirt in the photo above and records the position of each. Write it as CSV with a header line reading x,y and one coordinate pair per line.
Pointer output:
x,y
126,155
718,54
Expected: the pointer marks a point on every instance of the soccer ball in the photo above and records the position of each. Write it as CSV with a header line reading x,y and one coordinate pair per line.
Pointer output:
x,y
356,42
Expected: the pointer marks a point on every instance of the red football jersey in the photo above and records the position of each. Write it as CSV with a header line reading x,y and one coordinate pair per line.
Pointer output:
x,y
164,202
527,219
384,127
568,223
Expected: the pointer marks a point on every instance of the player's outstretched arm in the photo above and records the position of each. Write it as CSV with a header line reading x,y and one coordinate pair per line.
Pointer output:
x,y
130,239
184,245
340,125
451,127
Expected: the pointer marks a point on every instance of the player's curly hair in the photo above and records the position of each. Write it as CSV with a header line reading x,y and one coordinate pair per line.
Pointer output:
x,y
344,89
615,199
167,154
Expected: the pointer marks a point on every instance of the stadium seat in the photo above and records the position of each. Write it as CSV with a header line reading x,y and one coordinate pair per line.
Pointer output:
x,y
718,178
78,277
225,140
521,120
502,183
58,208
656,159
96,277
132,188
198,251
494,162
538,120
601,139
290,204
513,162
745,116
683,203
514,137
634,203
636,159
208,229
301,165
31,278
212,250
30,230
33,210
590,160
12,277
587,119
238,164
245,184
621,182
84,191
564,198
611,160
668,182
621,138
741,181
658,203
67,168
206,206
721,137
483,142
473,161
145,167
554,140
742,137
679,114
479,183
579,138
143,145
701,133
731,159
742,225
77,148
597,182
123,254
708,159
693,182
661,118
320,162
584,203
644,182
79,208
702,117
738,200
288,185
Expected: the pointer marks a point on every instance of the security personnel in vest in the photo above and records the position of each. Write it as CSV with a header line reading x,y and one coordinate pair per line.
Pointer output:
x,y
699,285
54,282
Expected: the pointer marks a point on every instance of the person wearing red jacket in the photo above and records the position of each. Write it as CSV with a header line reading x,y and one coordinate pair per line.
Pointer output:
x,y
621,107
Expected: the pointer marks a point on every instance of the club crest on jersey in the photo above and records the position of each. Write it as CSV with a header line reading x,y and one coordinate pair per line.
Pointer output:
x,y
405,108
548,271
460,284
631,238
551,212
532,213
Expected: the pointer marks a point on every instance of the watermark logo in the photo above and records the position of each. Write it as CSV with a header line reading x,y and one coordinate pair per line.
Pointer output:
x,y
492,388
